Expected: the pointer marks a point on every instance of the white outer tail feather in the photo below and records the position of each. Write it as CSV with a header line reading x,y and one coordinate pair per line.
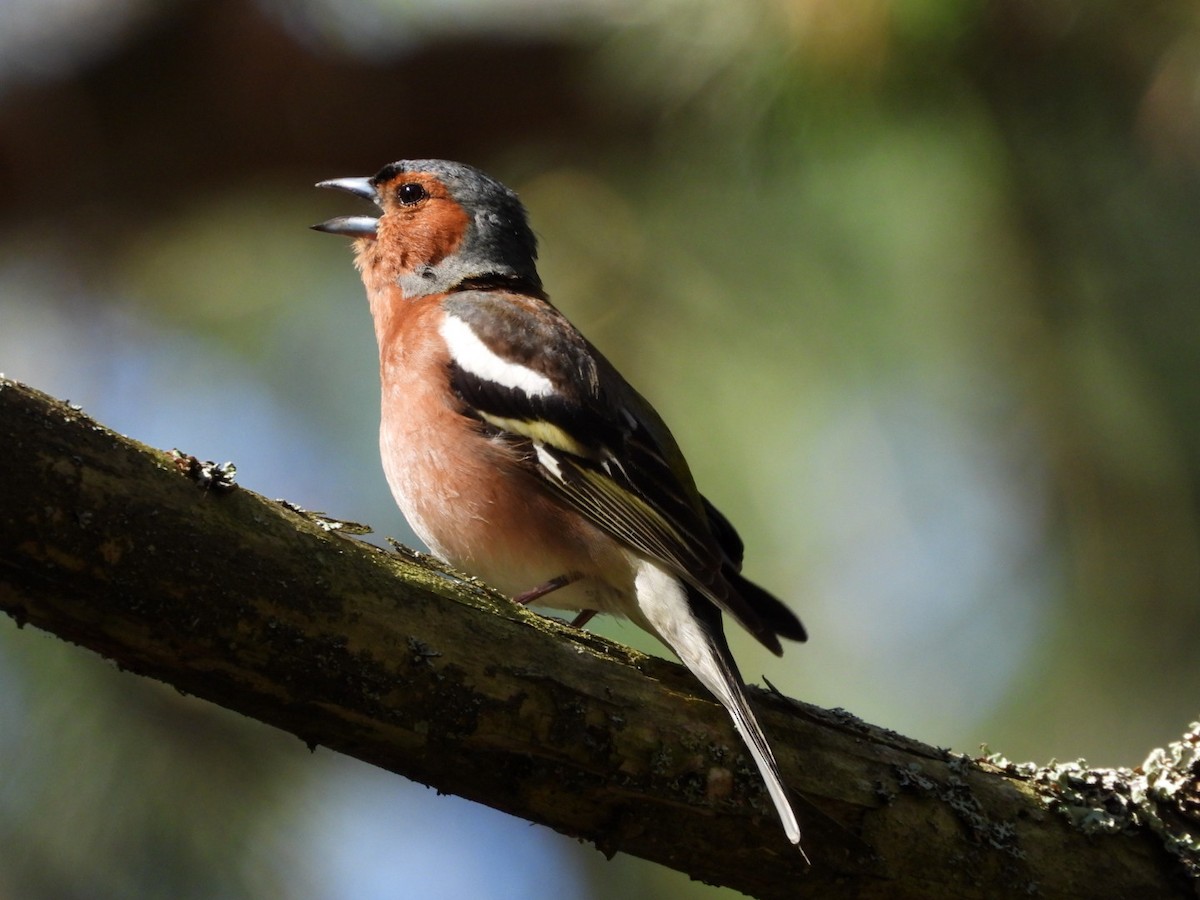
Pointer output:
x,y
663,606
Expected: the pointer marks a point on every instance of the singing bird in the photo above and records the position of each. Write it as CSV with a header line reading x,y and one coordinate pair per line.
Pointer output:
x,y
519,454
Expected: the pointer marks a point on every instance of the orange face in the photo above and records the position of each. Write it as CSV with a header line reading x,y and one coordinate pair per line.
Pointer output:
x,y
421,225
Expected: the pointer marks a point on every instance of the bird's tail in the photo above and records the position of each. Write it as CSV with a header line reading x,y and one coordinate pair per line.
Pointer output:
x,y
690,624
719,673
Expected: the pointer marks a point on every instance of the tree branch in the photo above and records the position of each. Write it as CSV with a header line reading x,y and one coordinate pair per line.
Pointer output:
x,y
254,605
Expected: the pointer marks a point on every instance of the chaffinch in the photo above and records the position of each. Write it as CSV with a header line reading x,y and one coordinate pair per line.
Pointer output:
x,y
519,454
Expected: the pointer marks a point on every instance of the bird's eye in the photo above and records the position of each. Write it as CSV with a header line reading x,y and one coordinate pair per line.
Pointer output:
x,y
410,193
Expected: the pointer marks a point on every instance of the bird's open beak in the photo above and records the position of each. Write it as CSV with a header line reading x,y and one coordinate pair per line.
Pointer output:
x,y
351,226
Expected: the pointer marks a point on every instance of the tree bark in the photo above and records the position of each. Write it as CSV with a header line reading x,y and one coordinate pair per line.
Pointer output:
x,y
152,560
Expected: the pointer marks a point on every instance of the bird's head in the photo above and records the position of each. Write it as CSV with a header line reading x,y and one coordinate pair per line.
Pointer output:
x,y
443,225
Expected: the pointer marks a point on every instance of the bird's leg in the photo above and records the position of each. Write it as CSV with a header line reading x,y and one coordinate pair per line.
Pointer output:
x,y
583,618
550,586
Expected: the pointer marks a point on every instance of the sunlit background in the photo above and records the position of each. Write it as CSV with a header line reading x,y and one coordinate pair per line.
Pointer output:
x,y
915,282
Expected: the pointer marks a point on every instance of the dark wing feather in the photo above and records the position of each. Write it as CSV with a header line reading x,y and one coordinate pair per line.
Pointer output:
x,y
725,533
597,444
773,612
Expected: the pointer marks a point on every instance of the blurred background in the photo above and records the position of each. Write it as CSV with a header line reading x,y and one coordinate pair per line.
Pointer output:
x,y
915,283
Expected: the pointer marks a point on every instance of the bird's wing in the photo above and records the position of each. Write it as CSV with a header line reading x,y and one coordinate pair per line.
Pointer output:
x,y
522,369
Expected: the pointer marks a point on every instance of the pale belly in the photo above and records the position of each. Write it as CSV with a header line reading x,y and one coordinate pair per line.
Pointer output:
x,y
480,513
